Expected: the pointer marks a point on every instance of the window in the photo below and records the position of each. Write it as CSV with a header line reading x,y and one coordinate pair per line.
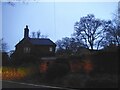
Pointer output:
x,y
50,49
26,50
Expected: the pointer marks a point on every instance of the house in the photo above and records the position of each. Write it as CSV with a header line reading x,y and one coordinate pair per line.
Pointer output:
x,y
33,48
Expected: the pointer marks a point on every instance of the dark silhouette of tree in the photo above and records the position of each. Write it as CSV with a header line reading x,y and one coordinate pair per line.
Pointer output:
x,y
58,69
63,46
112,29
117,15
89,30
69,46
3,46
3,53
112,32
5,59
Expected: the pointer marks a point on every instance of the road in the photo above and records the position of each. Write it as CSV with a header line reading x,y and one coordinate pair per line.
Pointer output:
x,y
12,84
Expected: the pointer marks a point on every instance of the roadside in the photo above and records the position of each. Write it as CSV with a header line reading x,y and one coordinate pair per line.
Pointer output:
x,y
13,84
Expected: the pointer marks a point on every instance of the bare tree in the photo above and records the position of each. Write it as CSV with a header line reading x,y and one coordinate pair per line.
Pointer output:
x,y
3,46
69,46
112,31
89,30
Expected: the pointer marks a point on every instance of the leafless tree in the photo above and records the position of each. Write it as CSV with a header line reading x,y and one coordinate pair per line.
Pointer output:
x,y
89,30
3,46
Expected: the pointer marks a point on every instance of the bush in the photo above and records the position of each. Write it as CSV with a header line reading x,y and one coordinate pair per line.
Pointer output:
x,y
75,80
56,70
103,81
105,62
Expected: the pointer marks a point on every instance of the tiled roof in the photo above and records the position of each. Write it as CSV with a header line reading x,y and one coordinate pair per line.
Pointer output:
x,y
41,41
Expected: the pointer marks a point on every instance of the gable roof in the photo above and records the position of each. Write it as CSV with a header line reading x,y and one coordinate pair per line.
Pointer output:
x,y
37,41
41,41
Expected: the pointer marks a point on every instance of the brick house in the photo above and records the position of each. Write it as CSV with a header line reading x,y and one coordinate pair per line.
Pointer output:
x,y
33,48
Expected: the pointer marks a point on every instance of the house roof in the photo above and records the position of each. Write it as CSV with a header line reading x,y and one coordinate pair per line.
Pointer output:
x,y
41,41
37,41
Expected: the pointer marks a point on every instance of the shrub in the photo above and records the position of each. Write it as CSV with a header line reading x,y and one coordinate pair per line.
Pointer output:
x,y
56,70
75,80
105,62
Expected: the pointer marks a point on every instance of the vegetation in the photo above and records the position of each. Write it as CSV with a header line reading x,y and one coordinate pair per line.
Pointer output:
x,y
89,30
57,70
93,48
3,45
90,34
103,74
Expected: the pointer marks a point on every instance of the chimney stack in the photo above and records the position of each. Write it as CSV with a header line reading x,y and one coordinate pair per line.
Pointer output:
x,y
26,32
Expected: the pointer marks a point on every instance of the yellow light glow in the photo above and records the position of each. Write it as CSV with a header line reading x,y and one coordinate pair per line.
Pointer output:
x,y
13,73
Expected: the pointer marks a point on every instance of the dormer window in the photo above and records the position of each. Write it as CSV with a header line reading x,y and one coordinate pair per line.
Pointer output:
x,y
26,49
50,49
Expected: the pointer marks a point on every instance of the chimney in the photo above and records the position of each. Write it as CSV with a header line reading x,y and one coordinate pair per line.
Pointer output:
x,y
26,32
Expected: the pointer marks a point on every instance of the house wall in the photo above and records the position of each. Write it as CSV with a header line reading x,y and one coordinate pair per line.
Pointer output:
x,y
26,51
43,50
36,50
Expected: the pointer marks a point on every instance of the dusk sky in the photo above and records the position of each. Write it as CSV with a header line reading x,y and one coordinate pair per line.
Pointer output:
x,y
54,19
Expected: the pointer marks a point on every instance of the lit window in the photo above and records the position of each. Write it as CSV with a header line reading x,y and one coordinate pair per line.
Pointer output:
x,y
27,50
50,49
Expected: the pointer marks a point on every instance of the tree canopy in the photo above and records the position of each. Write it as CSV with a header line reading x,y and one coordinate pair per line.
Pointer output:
x,y
112,33
89,30
91,33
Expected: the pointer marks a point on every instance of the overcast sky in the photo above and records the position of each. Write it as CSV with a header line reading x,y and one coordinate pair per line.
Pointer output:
x,y
56,20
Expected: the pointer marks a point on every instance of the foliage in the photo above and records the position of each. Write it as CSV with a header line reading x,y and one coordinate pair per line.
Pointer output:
x,y
87,66
112,30
103,80
91,33
69,46
56,70
75,80
105,61
112,33
5,59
